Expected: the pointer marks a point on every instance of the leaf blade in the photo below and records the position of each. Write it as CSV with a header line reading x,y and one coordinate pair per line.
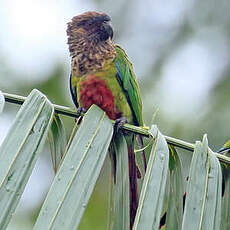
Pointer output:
x,y
19,151
225,212
2,101
57,140
203,201
121,188
175,206
198,176
148,216
212,211
77,174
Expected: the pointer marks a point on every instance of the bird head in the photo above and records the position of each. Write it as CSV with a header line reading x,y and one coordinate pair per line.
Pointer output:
x,y
93,26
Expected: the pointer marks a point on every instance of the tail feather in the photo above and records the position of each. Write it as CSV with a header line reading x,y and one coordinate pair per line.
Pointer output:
x,y
133,175
133,183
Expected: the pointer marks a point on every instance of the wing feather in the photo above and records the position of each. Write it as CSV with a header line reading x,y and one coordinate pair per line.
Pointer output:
x,y
128,82
73,91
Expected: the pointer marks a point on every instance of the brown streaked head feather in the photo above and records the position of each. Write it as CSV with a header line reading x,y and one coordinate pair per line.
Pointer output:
x,y
90,42
90,17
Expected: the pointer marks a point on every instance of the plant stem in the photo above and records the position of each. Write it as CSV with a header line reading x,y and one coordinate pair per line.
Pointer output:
x,y
16,99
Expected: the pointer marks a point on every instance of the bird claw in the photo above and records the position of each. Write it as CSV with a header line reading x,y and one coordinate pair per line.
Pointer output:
x,y
81,111
119,123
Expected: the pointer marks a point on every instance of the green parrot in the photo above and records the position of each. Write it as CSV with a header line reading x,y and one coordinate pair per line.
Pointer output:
x,y
102,74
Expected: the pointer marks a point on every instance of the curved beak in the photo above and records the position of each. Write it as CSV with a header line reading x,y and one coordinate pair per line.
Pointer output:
x,y
108,29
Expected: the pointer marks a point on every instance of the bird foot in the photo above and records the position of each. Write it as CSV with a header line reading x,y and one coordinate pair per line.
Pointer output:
x,y
119,123
81,111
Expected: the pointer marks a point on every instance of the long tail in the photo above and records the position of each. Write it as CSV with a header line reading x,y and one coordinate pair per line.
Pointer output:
x,y
133,181
133,174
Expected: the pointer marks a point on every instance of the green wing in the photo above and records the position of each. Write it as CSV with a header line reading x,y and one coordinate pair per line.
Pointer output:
x,y
128,82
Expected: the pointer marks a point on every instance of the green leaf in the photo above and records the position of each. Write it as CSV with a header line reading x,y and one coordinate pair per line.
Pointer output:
x,y
202,206
19,151
197,187
121,188
153,189
57,140
2,102
225,212
175,205
77,175
212,211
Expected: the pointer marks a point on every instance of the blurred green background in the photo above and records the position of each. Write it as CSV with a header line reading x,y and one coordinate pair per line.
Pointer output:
x,y
180,51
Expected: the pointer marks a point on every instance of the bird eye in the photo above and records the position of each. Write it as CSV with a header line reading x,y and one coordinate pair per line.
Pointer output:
x,y
106,18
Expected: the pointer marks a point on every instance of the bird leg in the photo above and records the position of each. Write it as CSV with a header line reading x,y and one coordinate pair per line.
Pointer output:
x,y
119,123
81,111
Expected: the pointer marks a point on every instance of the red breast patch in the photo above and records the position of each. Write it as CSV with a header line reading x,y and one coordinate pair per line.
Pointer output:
x,y
94,90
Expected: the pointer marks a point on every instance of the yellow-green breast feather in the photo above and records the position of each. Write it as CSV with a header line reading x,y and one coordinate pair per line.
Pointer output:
x,y
118,78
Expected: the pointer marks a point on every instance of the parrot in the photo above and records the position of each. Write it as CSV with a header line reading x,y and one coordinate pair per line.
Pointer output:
x,y
102,74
